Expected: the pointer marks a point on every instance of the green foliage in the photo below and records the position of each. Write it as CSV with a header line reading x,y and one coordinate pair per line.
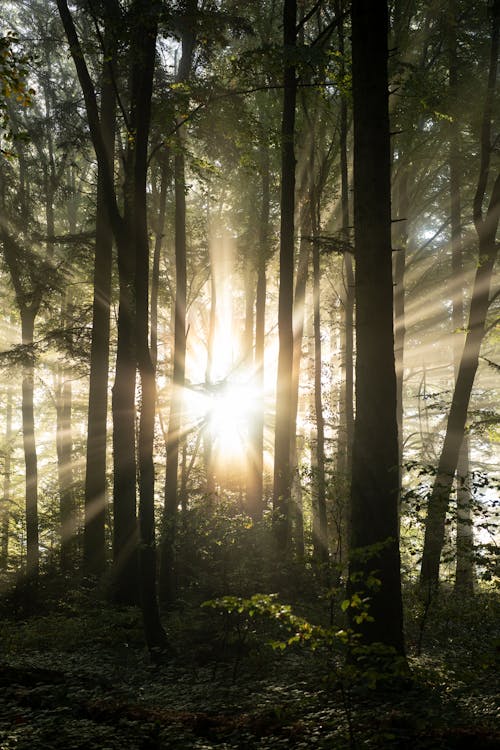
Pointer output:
x,y
13,85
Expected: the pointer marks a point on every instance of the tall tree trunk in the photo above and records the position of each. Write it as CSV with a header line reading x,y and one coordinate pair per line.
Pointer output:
x,y
320,532
167,588
344,460
375,478
155,271
94,542
399,296
256,443
125,588
30,455
64,448
346,406
464,577
144,49
210,489
296,511
6,489
283,427
486,228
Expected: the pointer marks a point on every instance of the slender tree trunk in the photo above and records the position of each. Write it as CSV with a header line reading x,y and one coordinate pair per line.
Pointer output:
x,y
464,577
320,533
155,271
210,489
30,455
125,588
375,477
6,490
142,90
167,587
255,485
94,542
486,227
399,298
283,427
347,396
64,447
296,511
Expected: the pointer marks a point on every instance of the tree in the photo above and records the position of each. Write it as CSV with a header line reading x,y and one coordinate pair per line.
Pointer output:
x,y
175,420
131,236
282,441
94,543
486,225
374,529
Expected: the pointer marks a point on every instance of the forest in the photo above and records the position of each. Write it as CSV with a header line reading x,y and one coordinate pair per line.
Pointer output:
x,y
249,374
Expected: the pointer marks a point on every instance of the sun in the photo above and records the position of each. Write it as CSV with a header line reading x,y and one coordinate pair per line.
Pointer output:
x,y
226,410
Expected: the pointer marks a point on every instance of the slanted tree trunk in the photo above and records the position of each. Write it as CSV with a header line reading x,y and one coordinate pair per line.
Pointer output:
x,y
375,477
283,426
94,542
464,577
486,227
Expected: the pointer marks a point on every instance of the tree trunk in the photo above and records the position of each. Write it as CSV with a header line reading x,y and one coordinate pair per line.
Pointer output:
x,y
296,510
30,456
64,447
167,588
94,542
347,397
486,227
375,478
320,532
255,486
399,297
464,577
144,49
6,499
283,427
155,271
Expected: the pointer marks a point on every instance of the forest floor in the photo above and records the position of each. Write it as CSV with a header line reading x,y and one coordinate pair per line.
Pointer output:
x,y
77,677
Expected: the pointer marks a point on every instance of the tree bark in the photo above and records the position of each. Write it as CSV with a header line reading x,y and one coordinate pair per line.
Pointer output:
x,y
255,484
167,586
94,542
6,489
283,426
144,52
167,558
30,455
375,477
64,449
320,531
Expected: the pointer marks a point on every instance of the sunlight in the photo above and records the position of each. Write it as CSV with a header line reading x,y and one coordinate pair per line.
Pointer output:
x,y
226,409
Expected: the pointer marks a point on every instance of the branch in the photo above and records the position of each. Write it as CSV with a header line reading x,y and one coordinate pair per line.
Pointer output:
x,y
90,98
486,124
